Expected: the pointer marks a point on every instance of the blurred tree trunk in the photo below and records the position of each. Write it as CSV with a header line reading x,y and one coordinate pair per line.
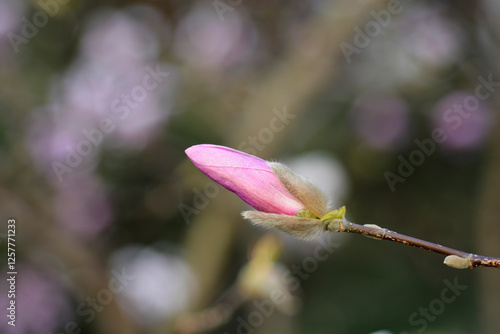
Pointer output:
x,y
489,234
302,73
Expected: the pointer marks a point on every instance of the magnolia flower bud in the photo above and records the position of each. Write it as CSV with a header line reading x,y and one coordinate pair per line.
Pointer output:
x,y
247,176
284,200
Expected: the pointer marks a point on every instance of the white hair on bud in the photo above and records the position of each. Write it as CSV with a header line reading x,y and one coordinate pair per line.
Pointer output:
x,y
306,192
304,228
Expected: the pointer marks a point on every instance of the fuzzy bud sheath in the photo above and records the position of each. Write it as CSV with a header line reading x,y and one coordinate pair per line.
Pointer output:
x,y
283,199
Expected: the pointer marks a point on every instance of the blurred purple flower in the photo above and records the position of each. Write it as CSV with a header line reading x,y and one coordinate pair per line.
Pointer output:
x,y
107,81
88,90
41,303
116,40
382,121
204,41
44,142
10,14
429,36
91,94
247,176
82,207
111,79
418,42
465,123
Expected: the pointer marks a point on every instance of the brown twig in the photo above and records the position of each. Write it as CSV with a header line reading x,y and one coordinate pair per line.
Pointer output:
x,y
376,232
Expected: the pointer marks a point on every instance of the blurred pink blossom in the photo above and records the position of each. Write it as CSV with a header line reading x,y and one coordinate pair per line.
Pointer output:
x,y
429,36
116,77
205,41
382,121
10,14
466,124
116,40
91,94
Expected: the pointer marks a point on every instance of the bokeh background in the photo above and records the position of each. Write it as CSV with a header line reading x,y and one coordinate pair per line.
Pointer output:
x,y
117,232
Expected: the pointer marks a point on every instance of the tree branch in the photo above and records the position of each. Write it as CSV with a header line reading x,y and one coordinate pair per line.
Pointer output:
x,y
467,260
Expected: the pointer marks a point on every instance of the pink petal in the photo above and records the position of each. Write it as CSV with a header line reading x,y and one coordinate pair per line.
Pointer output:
x,y
247,176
